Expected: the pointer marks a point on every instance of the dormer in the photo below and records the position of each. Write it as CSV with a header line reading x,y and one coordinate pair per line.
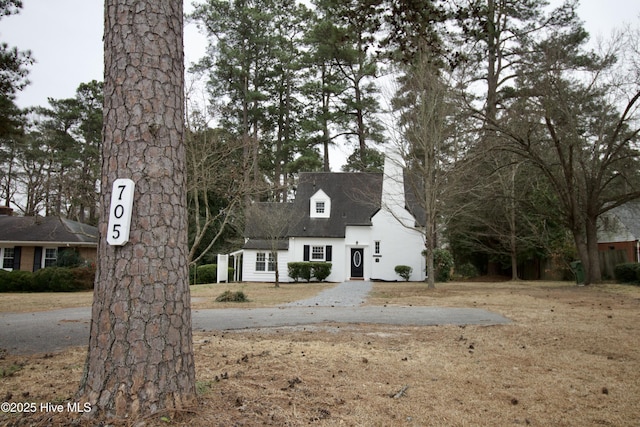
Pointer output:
x,y
320,205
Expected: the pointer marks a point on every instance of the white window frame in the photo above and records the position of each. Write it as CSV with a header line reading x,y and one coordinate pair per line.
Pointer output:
x,y
264,263
3,257
46,258
376,247
317,253
261,261
271,262
320,205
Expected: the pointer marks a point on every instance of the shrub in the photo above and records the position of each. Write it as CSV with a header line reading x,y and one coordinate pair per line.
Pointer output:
x,y
299,270
404,271
207,273
69,258
627,273
443,263
321,270
293,270
54,279
306,270
16,281
467,270
84,277
228,296
50,279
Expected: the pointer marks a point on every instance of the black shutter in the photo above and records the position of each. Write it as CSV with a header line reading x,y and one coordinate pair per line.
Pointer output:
x,y
37,258
16,258
305,255
327,253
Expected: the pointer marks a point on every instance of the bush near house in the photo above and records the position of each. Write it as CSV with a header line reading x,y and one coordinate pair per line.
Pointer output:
x,y
321,270
627,273
50,279
403,271
307,270
205,274
15,281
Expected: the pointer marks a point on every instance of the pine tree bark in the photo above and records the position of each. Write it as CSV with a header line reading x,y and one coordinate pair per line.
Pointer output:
x,y
140,358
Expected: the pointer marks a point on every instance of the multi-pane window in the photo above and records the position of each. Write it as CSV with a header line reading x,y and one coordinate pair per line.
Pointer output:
x,y
50,257
376,247
262,264
319,207
8,258
260,261
317,253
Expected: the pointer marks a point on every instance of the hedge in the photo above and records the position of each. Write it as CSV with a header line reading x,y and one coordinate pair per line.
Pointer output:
x,y
308,270
207,273
627,273
50,279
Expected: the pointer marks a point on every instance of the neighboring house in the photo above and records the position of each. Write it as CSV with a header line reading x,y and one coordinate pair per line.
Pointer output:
x,y
32,243
619,236
359,222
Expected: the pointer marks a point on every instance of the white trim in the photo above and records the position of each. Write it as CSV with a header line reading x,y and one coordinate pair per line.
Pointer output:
x,y
2,252
320,197
29,243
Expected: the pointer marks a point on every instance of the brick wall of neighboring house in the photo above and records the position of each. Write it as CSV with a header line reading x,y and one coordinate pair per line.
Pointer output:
x,y
628,247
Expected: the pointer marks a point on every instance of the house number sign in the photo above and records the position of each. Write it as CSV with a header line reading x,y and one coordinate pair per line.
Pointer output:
x,y
120,212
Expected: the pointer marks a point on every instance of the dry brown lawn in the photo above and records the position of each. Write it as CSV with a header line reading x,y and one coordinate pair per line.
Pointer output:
x,y
570,358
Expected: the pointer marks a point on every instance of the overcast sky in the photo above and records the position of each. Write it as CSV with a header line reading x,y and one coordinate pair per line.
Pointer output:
x,y
65,38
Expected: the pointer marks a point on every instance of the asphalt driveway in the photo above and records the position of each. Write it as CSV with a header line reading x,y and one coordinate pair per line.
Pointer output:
x,y
51,331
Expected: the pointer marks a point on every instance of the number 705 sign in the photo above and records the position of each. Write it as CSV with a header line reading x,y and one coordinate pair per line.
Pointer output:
x,y
120,212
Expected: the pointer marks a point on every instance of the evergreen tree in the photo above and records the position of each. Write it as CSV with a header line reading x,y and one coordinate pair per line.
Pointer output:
x,y
13,78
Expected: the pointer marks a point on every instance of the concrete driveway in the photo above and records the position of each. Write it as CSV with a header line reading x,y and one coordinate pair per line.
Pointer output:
x,y
46,332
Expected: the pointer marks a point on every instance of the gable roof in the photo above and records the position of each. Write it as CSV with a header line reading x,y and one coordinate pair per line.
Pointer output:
x,y
46,230
355,198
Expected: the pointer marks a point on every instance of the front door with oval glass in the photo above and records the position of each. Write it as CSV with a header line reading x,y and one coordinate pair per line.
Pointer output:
x,y
357,263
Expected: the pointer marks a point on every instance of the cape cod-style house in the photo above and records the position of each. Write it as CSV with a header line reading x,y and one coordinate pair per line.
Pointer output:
x,y
359,222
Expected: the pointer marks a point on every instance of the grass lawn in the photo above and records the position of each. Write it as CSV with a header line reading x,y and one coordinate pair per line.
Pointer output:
x,y
570,358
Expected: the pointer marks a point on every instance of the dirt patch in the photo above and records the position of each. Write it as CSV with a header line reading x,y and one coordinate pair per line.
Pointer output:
x,y
570,358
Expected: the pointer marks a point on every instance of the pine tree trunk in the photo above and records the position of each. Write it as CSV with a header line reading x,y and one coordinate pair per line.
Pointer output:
x,y
140,358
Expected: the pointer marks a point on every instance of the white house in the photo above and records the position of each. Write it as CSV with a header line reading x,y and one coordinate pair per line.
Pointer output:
x,y
359,222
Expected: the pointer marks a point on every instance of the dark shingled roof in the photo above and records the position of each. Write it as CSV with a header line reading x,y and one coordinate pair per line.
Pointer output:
x,y
37,229
355,198
268,223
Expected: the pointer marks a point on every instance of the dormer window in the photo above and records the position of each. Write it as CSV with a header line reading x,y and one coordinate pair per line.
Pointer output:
x,y
320,205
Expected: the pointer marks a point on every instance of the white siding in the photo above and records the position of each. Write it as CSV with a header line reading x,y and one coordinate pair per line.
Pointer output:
x,y
399,245
249,273
358,237
296,254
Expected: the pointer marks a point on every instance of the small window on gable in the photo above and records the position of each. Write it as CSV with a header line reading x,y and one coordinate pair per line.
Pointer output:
x,y
376,248
320,205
